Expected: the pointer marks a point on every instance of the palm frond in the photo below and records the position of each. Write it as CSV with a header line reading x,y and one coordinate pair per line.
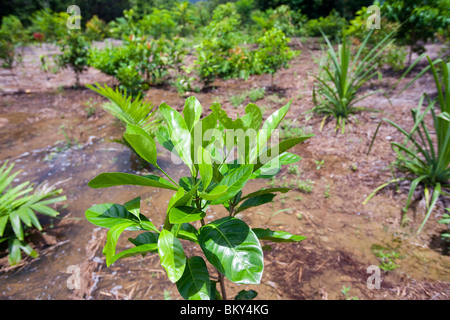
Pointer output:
x,y
128,109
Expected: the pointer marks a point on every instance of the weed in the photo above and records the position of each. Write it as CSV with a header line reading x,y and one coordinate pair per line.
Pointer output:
x,y
345,290
319,164
256,94
327,192
293,169
388,257
306,186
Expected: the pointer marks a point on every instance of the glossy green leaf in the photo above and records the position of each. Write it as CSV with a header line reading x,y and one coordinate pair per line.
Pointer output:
x,y
194,283
185,214
246,295
264,191
142,142
171,255
111,240
235,181
192,112
205,167
133,206
268,128
108,215
276,151
142,250
215,193
277,236
186,231
145,238
111,179
289,158
253,117
179,133
255,201
162,135
204,130
232,247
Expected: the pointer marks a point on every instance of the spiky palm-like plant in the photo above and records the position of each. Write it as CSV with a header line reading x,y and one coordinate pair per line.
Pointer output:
x,y
424,160
337,87
18,205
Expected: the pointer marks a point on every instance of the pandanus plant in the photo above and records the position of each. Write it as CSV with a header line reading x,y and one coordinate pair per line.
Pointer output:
x,y
338,86
426,161
208,148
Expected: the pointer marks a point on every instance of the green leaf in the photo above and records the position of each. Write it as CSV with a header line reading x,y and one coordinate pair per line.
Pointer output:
x,y
111,240
111,179
277,236
108,215
16,224
215,193
186,231
3,221
14,255
268,128
205,167
278,150
184,214
255,201
142,249
253,117
142,142
235,180
194,284
179,133
145,238
171,255
133,206
265,191
207,124
232,247
162,135
192,112
289,158
246,295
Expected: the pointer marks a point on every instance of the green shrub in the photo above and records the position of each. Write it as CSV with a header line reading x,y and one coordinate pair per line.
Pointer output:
x,y
273,52
139,62
95,29
124,26
332,25
74,53
52,25
230,246
282,18
419,20
12,35
394,55
158,24
18,206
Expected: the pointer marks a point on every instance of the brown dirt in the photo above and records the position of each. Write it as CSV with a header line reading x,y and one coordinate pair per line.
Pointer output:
x,y
340,230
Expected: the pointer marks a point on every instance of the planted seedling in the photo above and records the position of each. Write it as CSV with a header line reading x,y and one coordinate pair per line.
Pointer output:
x,y
228,244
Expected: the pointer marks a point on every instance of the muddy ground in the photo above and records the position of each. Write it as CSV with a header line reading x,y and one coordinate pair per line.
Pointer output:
x,y
61,135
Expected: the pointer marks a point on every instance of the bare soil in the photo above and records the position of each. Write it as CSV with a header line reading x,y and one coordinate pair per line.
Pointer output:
x,y
59,134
